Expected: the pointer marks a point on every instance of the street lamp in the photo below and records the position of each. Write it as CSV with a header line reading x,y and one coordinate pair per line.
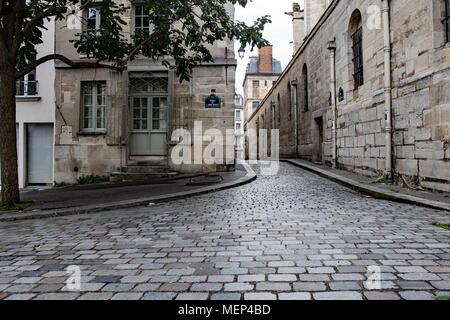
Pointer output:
x,y
241,52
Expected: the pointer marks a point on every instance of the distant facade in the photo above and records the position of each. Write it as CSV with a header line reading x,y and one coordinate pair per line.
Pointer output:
x,y
110,123
239,127
261,74
367,90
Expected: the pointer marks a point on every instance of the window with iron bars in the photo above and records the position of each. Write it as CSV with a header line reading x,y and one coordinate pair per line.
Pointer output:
x,y
358,75
446,20
27,85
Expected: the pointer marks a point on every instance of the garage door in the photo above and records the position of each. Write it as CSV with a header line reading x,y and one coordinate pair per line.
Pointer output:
x,y
40,153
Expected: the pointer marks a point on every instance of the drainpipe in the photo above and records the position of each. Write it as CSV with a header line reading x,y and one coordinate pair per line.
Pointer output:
x,y
332,48
387,89
294,84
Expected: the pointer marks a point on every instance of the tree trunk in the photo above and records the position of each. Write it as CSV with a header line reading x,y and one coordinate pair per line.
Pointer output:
x,y
8,140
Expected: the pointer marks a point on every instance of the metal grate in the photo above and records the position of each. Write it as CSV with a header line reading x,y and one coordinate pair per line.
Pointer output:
x,y
358,75
149,85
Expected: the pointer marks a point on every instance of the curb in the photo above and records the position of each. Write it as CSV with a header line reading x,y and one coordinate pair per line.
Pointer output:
x,y
376,192
250,177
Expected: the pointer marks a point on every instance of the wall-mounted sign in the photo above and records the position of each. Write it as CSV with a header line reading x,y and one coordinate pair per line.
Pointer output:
x,y
212,101
341,94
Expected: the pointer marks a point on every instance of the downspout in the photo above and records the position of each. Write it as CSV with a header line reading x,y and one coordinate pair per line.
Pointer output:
x,y
387,89
332,48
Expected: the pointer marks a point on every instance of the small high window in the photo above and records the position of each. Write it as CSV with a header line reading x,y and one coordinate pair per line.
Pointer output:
x,y
94,106
141,20
255,104
93,20
256,84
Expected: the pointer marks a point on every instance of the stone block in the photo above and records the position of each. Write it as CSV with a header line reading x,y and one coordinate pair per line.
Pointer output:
x,y
435,169
408,167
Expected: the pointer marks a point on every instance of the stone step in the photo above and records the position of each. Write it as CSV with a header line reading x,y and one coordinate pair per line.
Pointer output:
x,y
132,176
145,169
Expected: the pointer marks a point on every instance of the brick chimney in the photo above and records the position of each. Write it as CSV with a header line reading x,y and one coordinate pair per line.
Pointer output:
x,y
265,59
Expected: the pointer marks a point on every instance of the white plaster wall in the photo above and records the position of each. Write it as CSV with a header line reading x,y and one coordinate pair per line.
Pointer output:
x,y
42,111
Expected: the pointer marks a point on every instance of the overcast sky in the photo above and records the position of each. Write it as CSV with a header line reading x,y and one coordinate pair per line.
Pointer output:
x,y
278,33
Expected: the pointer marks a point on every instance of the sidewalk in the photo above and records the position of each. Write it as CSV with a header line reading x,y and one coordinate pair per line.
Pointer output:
x,y
378,190
80,199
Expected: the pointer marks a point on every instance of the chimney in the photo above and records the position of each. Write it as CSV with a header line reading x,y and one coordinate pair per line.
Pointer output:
x,y
314,10
265,59
298,24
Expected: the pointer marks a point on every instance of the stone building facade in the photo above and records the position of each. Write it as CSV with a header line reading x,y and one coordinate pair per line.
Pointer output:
x,y
109,122
261,74
369,87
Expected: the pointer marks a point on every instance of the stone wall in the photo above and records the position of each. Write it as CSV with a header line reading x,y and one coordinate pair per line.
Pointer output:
x,y
420,67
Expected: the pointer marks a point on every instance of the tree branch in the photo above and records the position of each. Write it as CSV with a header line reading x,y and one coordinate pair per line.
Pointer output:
x,y
48,13
67,61
135,50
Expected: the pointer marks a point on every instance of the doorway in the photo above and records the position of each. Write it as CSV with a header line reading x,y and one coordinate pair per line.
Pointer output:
x,y
318,140
149,109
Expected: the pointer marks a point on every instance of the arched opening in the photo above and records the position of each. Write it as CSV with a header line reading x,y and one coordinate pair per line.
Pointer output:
x,y
356,52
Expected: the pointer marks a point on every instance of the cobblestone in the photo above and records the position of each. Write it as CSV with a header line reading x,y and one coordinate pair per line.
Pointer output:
x,y
290,236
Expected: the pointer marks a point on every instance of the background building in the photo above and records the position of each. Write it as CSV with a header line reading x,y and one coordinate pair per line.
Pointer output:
x,y
261,74
239,127
370,91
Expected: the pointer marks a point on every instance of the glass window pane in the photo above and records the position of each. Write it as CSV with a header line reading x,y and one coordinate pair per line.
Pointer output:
x,y
138,10
144,124
155,124
101,118
136,124
155,103
155,114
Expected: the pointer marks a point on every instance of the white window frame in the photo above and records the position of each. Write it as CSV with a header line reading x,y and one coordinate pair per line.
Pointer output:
x,y
150,26
93,84
26,82
97,18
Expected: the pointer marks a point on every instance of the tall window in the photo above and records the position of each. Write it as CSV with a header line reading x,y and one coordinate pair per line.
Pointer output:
x,y
305,89
92,19
27,85
94,106
279,111
446,20
356,37
141,21
358,75
238,115
289,101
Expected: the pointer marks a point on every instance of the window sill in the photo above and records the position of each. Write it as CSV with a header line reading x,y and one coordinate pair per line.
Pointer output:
x,y
87,133
27,99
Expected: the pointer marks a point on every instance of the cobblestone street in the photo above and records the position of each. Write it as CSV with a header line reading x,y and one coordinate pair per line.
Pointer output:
x,y
290,236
